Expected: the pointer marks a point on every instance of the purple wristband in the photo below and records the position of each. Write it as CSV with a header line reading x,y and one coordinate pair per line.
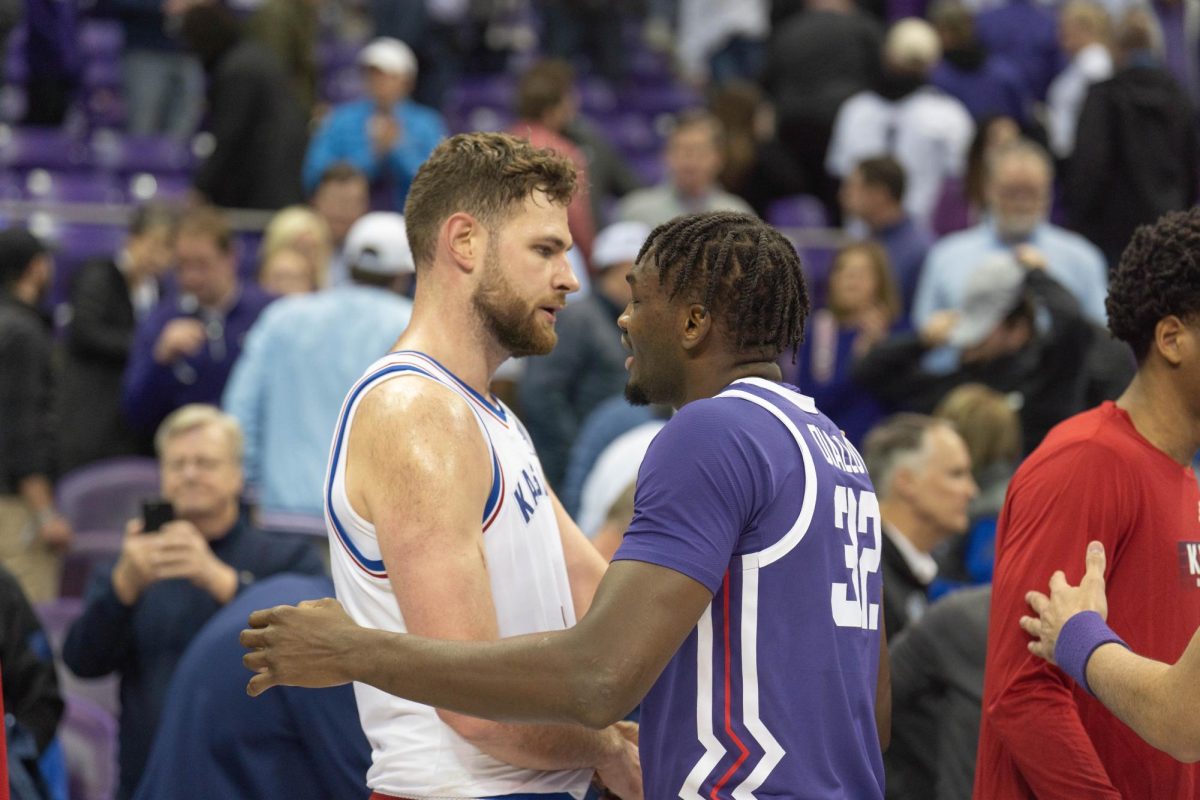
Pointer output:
x,y
1078,639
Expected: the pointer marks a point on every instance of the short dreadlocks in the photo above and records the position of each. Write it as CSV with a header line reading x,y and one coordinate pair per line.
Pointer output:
x,y
746,273
1159,275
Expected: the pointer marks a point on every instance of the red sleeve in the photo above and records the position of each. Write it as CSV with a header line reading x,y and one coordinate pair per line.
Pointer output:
x,y
1052,510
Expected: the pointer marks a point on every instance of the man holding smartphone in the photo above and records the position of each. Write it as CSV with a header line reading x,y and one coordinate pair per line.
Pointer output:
x,y
141,613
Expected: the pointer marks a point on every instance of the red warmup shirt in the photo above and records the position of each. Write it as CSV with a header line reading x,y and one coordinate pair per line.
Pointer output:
x,y
1094,477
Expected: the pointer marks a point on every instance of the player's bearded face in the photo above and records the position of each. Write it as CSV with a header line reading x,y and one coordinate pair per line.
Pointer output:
x,y
514,320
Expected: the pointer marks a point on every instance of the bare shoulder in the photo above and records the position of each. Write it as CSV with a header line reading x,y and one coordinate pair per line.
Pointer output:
x,y
410,434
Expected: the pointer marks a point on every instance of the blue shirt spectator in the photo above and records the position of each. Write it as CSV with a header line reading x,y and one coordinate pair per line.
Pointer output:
x,y
185,348
1023,33
141,613
217,741
287,408
987,84
386,136
607,421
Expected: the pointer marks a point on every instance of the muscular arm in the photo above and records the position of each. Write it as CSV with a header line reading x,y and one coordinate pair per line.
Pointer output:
x,y
585,565
592,674
431,542
1155,699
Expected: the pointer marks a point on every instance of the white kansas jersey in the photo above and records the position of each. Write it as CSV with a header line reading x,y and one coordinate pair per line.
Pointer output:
x,y
413,753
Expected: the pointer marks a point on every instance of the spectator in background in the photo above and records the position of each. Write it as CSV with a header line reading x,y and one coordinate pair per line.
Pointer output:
x,y
620,513
872,195
546,103
1083,34
1019,182
215,741
991,428
288,409
342,196
985,84
386,136
302,229
991,137
937,697
289,29
615,471
108,299
31,694
1002,345
258,125
32,531
817,60
591,28
922,474
287,270
1140,158
141,613
163,86
862,305
609,420
694,161
924,129
722,40
587,366
185,348
52,59
1023,34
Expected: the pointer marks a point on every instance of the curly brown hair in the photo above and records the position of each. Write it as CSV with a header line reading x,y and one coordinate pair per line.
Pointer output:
x,y
485,175
1158,276
743,270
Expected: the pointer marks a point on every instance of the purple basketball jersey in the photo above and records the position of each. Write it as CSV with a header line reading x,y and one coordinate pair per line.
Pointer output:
x,y
758,496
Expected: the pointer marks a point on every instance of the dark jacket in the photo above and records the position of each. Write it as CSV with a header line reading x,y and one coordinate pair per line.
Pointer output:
x,y
904,597
26,422
95,352
1135,158
260,127
30,682
937,697
145,641
559,390
1046,373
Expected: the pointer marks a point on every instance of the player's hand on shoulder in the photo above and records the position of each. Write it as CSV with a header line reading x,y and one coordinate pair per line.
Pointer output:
x,y
309,645
1064,602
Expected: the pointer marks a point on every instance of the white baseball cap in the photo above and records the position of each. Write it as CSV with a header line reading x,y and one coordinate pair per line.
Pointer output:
x,y
619,244
389,55
992,293
378,243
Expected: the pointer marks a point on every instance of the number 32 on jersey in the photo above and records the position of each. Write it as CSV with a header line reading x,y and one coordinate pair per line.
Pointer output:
x,y
856,515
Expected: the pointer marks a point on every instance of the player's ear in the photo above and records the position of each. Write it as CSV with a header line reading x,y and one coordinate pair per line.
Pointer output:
x,y
465,239
696,326
1173,339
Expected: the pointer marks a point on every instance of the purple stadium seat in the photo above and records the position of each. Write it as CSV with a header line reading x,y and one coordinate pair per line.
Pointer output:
x,y
104,495
493,91
89,738
102,72
336,54
99,38
631,133
952,212
655,99
16,70
285,522
72,187
48,148
88,549
133,154
596,96
649,167
797,211
342,86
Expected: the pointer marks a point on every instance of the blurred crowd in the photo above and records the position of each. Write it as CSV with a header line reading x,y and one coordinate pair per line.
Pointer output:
x,y
960,177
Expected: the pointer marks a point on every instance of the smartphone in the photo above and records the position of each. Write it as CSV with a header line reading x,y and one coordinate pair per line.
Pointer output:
x,y
155,514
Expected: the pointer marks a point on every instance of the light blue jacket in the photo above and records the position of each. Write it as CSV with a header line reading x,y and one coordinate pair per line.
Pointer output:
x,y
299,361
343,137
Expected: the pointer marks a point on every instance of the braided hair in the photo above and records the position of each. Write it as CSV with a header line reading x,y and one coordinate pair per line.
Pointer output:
x,y
744,271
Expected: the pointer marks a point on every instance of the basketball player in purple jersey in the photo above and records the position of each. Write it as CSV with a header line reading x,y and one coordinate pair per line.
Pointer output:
x,y
743,607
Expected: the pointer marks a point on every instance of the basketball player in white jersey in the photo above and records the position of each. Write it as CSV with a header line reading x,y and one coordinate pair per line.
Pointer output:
x,y
440,521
